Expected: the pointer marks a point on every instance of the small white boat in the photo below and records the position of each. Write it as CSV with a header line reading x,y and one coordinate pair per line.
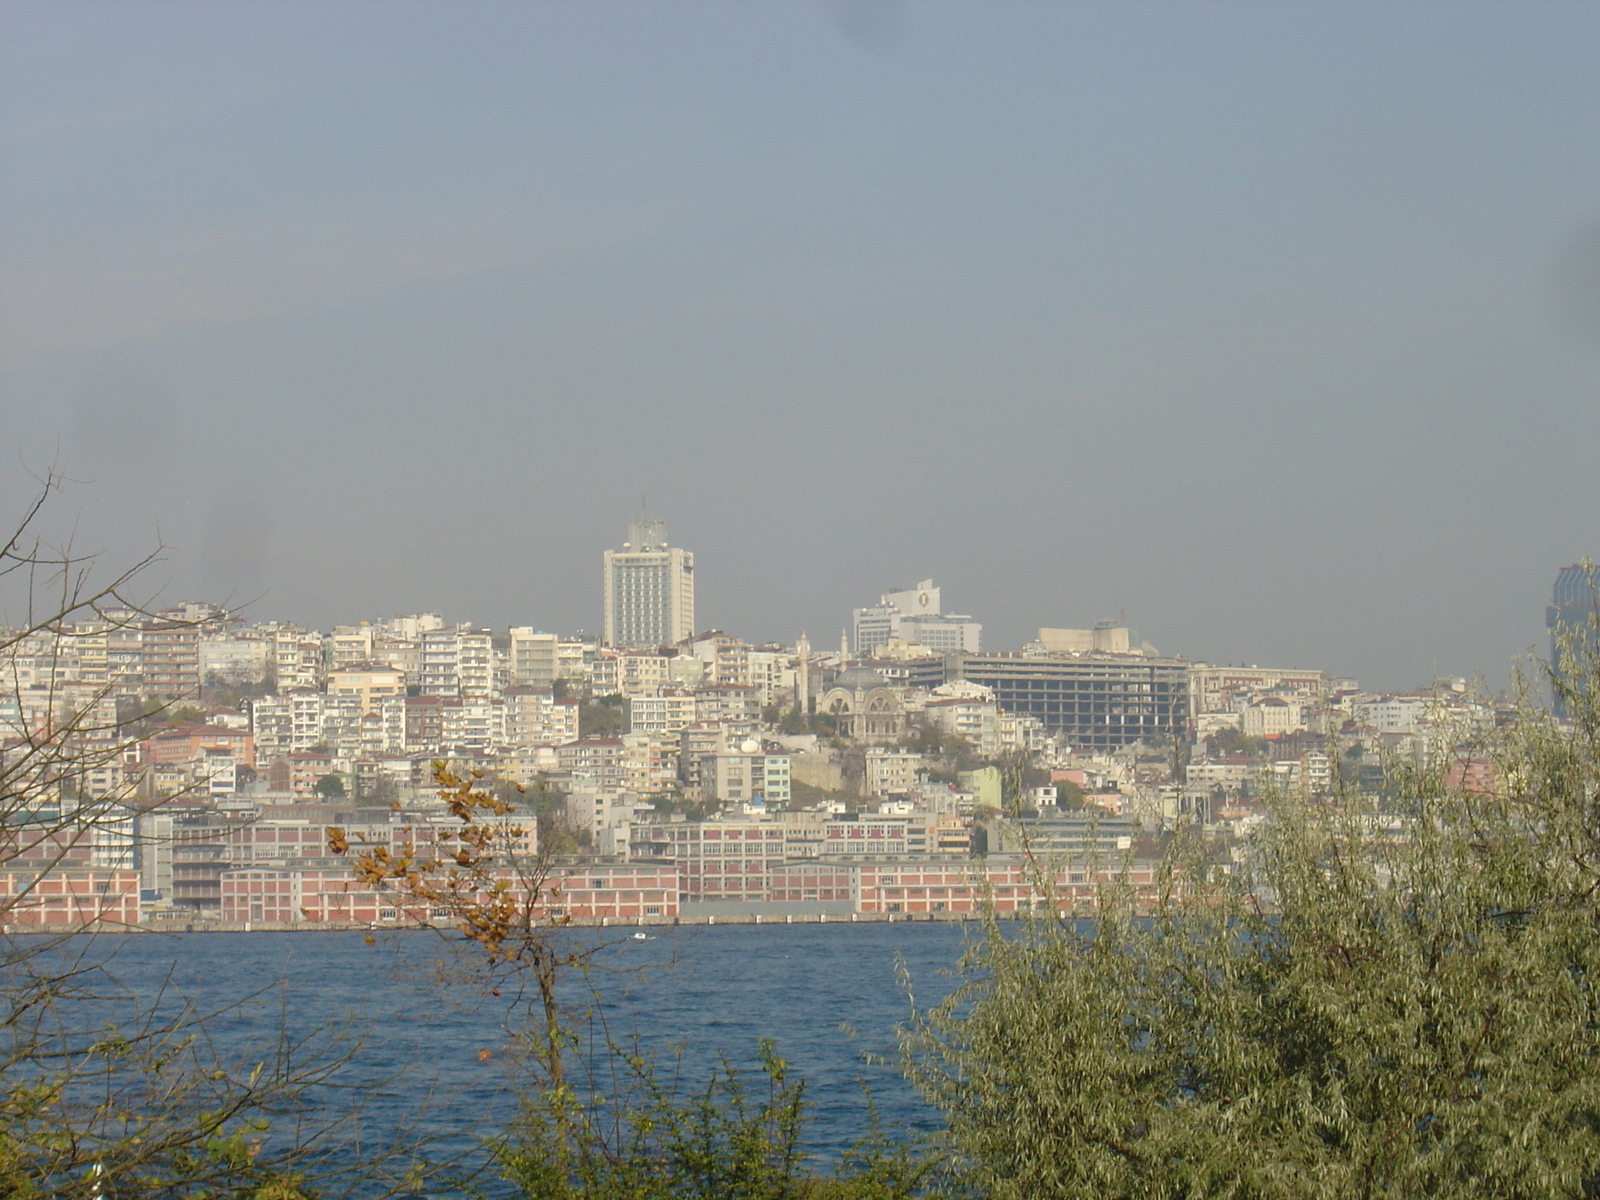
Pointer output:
x,y
641,937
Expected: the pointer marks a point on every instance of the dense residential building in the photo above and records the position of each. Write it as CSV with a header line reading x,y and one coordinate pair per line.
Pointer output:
x,y
731,703
748,773
296,656
170,658
536,717
663,713
347,645
473,722
459,661
533,656
368,683
183,741
648,589
890,771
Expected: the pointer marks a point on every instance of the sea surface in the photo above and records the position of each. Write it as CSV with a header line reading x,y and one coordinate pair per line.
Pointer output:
x,y
434,1051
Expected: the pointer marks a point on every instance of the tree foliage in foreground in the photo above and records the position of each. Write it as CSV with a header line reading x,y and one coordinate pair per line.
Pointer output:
x,y
106,1092
1398,1004
658,1138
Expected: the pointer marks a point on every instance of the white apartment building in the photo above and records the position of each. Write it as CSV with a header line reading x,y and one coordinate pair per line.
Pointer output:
x,y
890,771
731,703
297,720
341,725
1022,731
662,713
473,722
392,713
89,641
1228,774
476,663
534,717
439,677
532,654
296,656
458,661
641,671
649,766
348,644
726,658
747,774
411,628
967,710
604,674
772,675
369,683
573,656
404,653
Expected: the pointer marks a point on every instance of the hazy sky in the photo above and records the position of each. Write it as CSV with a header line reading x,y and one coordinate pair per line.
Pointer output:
x,y
1274,327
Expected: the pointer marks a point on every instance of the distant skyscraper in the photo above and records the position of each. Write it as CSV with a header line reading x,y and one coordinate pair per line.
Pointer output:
x,y
649,589
1575,604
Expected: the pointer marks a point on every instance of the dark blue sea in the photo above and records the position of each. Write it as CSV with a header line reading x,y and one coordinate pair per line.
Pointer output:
x,y
436,1051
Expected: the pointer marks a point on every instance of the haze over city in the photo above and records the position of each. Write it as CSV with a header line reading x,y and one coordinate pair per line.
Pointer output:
x,y
1272,331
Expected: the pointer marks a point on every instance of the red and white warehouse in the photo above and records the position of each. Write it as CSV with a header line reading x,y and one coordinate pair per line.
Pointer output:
x,y
930,886
323,892
69,898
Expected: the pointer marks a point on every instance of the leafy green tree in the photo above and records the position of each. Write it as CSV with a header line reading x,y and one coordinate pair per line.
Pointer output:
x,y
1229,742
330,786
601,717
382,790
1372,1005
655,1138
1069,794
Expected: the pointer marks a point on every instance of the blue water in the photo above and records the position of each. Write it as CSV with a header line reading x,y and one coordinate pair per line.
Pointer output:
x,y
436,1055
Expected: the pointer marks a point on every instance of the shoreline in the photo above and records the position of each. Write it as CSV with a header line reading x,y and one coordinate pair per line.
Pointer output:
x,y
204,925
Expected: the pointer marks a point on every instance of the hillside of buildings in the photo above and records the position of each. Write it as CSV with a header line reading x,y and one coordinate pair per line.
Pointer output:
x,y
699,776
